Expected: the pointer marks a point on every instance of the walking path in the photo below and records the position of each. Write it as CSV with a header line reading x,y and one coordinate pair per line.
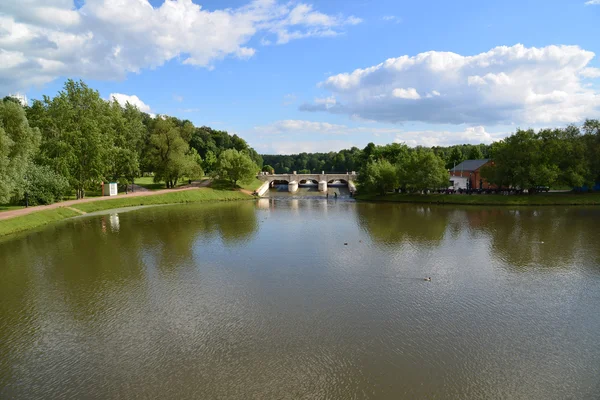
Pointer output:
x,y
69,203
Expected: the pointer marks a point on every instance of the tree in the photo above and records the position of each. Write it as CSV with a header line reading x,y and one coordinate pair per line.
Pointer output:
x,y
475,153
523,160
236,166
76,134
44,185
18,144
423,170
456,157
171,156
379,176
268,169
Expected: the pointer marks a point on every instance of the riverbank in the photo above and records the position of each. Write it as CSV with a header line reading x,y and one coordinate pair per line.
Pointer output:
x,y
540,199
61,211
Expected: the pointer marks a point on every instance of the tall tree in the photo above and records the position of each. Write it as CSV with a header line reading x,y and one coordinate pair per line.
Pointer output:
x,y
236,166
18,144
378,176
171,156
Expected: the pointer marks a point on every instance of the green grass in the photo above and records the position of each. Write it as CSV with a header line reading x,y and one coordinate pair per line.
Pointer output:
x,y
223,184
8,207
540,199
148,183
186,196
34,220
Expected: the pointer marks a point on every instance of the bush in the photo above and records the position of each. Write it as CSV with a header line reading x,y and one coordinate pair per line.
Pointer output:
x,y
44,186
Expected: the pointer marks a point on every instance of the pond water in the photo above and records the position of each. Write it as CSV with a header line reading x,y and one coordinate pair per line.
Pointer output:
x,y
289,298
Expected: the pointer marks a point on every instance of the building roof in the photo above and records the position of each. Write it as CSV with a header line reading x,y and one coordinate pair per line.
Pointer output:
x,y
470,165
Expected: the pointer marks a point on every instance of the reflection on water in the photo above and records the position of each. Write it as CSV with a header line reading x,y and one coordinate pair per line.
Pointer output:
x,y
296,298
309,191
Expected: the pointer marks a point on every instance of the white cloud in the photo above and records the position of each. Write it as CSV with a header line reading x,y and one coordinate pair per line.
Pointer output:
x,y
410,93
296,147
472,135
41,40
326,101
290,136
590,73
501,86
592,2
123,99
392,18
177,98
292,127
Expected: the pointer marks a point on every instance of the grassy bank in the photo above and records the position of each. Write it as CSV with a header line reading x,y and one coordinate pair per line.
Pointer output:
x,y
223,184
34,220
540,199
187,196
40,218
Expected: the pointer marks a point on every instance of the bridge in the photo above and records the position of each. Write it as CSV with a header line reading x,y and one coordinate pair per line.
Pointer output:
x,y
294,179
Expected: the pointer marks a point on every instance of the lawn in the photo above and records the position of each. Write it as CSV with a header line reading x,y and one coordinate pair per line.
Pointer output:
x,y
8,207
223,184
34,220
540,199
186,196
148,183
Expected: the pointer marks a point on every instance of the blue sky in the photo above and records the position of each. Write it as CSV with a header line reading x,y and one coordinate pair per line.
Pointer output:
x,y
308,76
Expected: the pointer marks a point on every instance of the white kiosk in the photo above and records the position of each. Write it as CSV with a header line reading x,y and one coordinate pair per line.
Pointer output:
x,y
110,189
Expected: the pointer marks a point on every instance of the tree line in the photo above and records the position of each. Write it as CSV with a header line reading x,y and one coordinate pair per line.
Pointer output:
x,y
354,159
567,156
73,142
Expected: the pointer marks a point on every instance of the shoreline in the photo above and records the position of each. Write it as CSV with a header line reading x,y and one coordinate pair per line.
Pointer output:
x,y
540,199
56,212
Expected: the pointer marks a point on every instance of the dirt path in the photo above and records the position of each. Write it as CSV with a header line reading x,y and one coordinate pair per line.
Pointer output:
x,y
70,203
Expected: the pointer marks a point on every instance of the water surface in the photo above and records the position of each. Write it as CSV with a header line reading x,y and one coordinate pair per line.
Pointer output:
x,y
266,300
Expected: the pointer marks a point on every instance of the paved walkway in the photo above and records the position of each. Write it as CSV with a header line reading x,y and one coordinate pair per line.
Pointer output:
x,y
70,203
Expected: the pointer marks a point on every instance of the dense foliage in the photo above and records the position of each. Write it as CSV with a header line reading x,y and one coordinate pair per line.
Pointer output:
x,y
236,166
354,159
563,157
77,140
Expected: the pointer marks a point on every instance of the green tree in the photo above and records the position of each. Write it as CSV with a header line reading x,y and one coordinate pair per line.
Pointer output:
x,y
475,153
268,169
18,144
522,160
423,170
236,166
378,176
44,185
171,156
456,157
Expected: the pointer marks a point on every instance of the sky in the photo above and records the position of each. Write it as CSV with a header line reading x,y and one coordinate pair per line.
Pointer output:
x,y
322,75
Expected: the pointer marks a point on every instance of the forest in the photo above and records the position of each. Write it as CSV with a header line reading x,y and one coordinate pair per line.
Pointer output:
x,y
71,143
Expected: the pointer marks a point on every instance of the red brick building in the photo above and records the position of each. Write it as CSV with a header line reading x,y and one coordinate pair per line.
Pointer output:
x,y
471,169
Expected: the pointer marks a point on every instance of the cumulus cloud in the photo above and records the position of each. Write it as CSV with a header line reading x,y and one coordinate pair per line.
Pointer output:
x,y
592,2
292,127
290,136
501,86
123,99
296,147
41,40
429,138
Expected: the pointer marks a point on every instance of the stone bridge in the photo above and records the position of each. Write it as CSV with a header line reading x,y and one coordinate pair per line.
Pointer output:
x,y
294,179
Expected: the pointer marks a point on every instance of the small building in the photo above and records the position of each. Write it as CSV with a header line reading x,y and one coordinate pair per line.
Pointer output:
x,y
471,170
109,189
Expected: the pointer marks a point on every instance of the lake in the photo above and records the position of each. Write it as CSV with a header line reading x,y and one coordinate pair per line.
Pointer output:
x,y
288,298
